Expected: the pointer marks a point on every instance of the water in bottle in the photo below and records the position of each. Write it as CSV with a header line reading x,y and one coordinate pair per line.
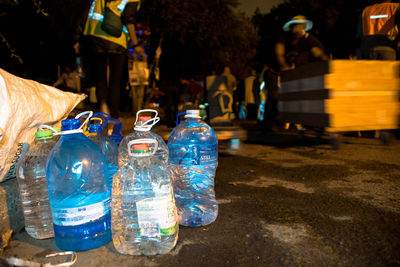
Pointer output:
x,y
107,146
143,129
31,175
144,217
193,159
78,192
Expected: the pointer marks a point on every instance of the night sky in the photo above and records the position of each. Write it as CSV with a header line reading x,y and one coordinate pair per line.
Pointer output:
x,y
249,6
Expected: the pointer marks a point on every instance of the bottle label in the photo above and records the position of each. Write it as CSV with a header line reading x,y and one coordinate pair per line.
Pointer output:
x,y
194,154
157,216
81,215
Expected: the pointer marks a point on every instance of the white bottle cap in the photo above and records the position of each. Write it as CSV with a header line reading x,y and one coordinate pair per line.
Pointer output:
x,y
193,113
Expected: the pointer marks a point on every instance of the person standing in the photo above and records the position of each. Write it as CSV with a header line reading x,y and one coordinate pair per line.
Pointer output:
x,y
230,80
271,83
109,26
380,31
298,46
195,90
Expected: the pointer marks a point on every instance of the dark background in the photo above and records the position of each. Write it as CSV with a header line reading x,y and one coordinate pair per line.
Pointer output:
x,y
198,35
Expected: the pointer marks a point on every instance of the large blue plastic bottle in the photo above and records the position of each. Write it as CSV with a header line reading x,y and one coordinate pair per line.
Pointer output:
x,y
107,146
193,159
78,192
144,217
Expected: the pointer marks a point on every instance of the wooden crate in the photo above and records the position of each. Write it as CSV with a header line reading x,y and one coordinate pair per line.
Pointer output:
x,y
342,95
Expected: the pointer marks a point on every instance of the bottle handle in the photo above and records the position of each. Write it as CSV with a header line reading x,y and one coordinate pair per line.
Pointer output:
x,y
147,127
79,130
44,126
141,141
98,117
177,117
146,110
71,257
89,113
92,119
152,119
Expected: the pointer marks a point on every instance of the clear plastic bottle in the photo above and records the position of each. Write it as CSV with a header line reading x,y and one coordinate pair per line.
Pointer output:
x,y
193,159
107,146
31,175
143,129
78,192
144,217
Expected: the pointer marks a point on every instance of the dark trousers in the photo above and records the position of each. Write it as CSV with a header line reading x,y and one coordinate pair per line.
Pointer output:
x,y
172,90
109,92
270,115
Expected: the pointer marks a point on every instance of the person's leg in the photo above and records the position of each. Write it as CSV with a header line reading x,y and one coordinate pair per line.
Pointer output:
x,y
116,62
141,90
173,96
274,111
100,73
268,117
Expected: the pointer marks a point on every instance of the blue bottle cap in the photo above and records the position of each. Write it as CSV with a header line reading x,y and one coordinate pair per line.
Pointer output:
x,y
70,124
95,128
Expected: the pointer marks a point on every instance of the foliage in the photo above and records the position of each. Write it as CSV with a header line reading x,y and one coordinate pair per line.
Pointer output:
x,y
201,35
197,35
37,37
6,6
11,51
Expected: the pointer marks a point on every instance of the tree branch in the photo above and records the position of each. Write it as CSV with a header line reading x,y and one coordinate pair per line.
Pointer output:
x,y
12,52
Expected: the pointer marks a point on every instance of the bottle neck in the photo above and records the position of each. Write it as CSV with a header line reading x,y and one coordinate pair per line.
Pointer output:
x,y
191,119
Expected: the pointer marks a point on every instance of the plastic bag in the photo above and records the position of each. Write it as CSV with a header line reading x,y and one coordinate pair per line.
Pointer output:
x,y
24,105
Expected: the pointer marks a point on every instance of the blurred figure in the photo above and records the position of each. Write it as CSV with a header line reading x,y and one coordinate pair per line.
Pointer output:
x,y
219,100
109,26
270,89
298,47
252,95
194,90
238,101
230,80
225,100
69,80
380,27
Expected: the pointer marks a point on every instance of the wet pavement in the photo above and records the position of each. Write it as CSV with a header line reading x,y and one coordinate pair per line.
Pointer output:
x,y
283,201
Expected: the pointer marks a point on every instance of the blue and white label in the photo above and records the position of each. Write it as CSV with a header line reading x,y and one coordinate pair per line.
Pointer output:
x,y
81,215
194,154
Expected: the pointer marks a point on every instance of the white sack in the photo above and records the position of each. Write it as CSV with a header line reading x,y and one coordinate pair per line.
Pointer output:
x,y
24,105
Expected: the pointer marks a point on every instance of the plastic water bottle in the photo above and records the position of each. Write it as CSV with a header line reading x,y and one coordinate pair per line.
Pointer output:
x,y
78,192
144,216
31,175
193,159
143,129
107,146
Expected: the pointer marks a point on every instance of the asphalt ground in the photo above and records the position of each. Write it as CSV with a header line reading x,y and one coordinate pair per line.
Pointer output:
x,y
283,201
